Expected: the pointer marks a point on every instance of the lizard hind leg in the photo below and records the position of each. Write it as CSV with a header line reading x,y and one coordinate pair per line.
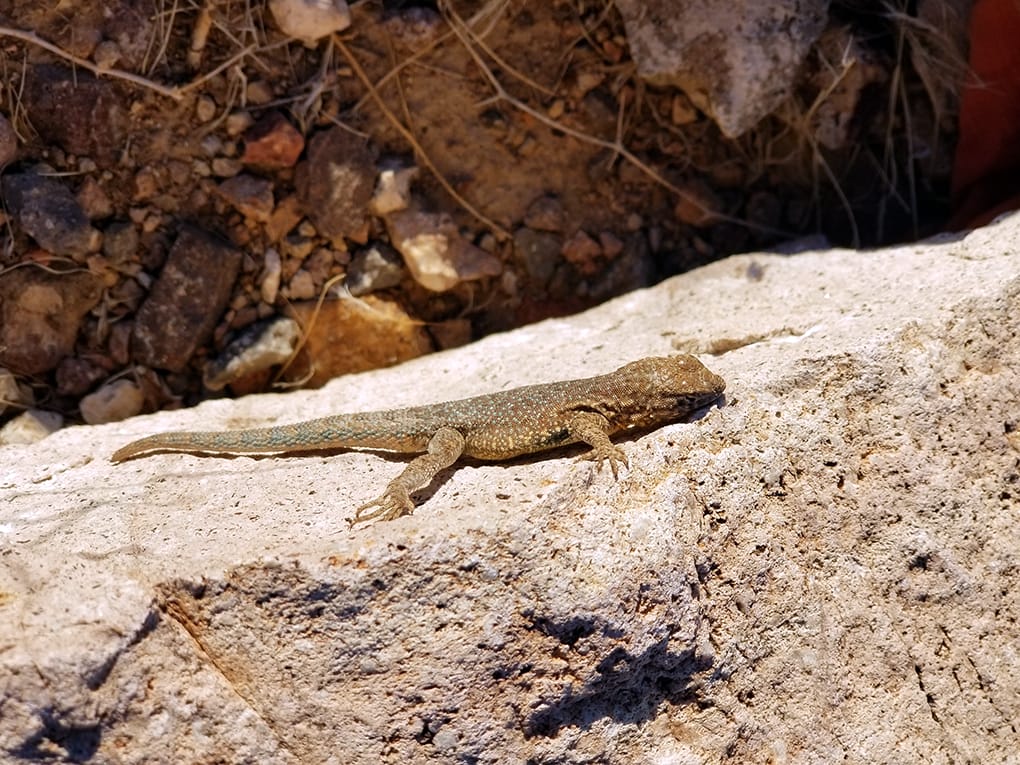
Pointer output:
x,y
445,448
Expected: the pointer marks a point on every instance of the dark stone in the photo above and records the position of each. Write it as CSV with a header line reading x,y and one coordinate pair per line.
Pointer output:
x,y
336,181
82,114
375,267
538,252
75,376
186,301
8,142
40,316
120,242
130,24
545,214
251,196
49,213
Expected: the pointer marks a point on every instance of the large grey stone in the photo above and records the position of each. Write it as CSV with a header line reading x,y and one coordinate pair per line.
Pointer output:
x,y
735,61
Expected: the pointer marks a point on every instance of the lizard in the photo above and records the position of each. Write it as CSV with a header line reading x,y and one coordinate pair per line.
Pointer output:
x,y
495,426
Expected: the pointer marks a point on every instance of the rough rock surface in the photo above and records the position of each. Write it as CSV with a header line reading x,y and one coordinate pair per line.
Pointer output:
x,y
254,352
435,253
376,266
251,196
821,570
310,20
272,143
30,426
8,142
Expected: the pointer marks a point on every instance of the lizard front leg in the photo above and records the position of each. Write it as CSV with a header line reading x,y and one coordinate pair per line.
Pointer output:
x,y
592,428
445,447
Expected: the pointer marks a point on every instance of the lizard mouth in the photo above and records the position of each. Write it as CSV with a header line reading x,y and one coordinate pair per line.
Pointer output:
x,y
693,402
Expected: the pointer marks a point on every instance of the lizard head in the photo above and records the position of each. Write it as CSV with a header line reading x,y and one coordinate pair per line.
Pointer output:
x,y
664,388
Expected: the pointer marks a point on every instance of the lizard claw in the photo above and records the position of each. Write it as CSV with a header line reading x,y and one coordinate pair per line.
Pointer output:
x,y
394,503
612,454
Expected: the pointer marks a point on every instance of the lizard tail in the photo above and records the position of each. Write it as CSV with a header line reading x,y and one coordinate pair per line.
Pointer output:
x,y
254,441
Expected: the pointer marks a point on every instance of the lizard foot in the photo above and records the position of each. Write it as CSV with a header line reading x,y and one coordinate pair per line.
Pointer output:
x,y
612,454
393,503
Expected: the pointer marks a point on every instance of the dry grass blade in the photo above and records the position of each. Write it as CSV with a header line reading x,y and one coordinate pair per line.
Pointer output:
x,y
800,122
33,39
489,12
278,381
166,22
410,138
467,38
174,92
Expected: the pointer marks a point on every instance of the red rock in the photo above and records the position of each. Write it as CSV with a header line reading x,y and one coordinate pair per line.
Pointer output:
x,y
272,143
584,253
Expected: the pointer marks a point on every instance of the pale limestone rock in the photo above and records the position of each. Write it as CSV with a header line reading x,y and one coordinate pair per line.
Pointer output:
x,y
435,253
310,20
376,266
113,402
821,570
13,394
259,347
392,190
30,426
735,61
272,271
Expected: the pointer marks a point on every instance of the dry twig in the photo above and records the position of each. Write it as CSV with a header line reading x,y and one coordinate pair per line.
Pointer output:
x,y
410,138
34,39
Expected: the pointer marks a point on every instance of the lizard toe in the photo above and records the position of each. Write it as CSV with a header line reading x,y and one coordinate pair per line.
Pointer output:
x,y
391,505
614,455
